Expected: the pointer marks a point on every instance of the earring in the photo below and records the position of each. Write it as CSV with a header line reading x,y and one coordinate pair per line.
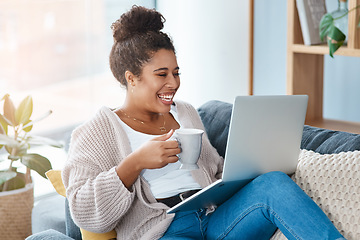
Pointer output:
x,y
132,89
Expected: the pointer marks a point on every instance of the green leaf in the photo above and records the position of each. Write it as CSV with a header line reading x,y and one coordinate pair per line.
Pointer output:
x,y
9,111
335,40
327,21
24,111
15,183
6,176
4,121
2,131
28,126
37,163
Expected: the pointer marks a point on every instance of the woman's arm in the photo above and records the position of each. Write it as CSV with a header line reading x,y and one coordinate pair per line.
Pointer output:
x,y
97,197
100,172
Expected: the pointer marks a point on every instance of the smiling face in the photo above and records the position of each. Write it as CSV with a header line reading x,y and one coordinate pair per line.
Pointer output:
x,y
153,91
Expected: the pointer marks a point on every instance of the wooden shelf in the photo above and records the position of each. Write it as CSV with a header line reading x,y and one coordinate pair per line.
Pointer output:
x,y
305,67
337,125
324,50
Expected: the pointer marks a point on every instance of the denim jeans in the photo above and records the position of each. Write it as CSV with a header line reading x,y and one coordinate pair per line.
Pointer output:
x,y
268,202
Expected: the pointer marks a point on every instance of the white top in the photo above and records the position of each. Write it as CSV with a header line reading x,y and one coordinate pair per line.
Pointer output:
x,y
169,180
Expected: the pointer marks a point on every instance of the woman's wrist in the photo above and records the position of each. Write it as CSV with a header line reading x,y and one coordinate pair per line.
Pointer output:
x,y
128,170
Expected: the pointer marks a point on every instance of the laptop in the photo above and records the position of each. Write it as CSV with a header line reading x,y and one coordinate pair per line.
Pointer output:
x,y
264,135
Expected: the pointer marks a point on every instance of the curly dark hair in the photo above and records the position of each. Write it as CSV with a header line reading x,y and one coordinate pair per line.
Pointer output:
x,y
137,37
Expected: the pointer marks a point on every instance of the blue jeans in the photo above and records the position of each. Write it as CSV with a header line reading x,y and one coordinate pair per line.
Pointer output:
x,y
269,202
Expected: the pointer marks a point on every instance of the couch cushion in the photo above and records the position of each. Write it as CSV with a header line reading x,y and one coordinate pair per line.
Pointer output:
x,y
328,141
215,116
49,213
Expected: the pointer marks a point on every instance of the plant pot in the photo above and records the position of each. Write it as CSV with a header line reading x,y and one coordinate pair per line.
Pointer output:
x,y
15,213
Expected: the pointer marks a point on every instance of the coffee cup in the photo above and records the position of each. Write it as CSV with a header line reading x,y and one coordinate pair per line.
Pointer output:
x,y
189,140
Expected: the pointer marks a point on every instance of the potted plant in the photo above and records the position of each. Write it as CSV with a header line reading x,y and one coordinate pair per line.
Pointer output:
x,y
328,28
16,189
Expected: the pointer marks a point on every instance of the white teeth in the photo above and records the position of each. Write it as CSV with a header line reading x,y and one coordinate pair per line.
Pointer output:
x,y
167,98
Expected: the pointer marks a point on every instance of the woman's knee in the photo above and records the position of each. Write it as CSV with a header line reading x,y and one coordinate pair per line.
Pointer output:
x,y
273,181
275,175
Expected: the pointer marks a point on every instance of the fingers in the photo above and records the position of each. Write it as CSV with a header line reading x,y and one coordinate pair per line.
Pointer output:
x,y
173,159
164,137
168,155
172,151
162,161
171,144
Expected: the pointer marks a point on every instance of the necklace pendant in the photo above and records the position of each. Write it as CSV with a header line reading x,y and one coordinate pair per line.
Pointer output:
x,y
163,129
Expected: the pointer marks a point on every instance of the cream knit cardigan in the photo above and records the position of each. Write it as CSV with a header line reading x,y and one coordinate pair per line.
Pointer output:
x,y
99,202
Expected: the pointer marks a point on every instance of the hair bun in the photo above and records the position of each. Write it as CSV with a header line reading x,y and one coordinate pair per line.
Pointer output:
x,y
138,20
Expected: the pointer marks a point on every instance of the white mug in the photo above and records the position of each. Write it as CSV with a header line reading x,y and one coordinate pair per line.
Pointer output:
x,y
189,140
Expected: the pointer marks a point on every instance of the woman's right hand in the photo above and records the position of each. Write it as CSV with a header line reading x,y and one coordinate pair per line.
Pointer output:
x,y
156,153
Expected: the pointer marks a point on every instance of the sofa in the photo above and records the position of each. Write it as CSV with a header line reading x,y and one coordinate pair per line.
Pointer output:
x,y
328,171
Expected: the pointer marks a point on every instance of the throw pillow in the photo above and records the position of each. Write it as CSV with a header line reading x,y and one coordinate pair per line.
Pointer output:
x,y
333,182
55,178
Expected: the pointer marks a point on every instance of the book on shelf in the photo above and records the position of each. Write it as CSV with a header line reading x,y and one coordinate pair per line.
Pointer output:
x,y
310,14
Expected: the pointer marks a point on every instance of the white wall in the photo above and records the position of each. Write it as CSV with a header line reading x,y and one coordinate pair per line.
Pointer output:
x,y
270,47
214,65
211,40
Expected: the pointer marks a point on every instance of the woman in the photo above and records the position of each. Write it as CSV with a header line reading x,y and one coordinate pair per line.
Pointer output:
x,y
123,172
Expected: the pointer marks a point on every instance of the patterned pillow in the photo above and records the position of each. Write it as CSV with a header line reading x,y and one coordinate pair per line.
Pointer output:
x,y
333,182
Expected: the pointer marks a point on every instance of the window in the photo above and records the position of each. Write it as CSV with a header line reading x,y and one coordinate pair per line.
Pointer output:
x,y
57,52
